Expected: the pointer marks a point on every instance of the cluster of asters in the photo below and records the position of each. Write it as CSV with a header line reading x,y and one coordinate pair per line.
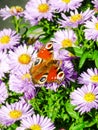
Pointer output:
x,y
16,59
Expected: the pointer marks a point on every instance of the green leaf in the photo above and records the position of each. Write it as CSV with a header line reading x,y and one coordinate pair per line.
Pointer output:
x,y
95,55
45,39
96,62
79,126
77,51
71,111
83,59
35,30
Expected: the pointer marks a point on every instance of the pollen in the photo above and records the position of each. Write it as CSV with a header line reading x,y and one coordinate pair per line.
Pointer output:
x,y
26,76
94,78
16,9
89,97
35,127
43,8
75,18
24,59
96,26
66,43
66,1
15,114
5,39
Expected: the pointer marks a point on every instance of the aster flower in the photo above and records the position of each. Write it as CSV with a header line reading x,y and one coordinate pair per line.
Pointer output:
x,y
4,64
8,39
41,9
20,82
64,39
91,31
13,11
91,76
21,58
9,114
95,2
36,122
3,92
63,54
85,98
76,18
65,5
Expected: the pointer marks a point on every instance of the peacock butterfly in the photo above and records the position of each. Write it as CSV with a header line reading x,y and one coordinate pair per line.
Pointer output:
x,y
45,68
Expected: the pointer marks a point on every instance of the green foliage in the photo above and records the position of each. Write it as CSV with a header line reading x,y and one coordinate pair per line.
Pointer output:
x,y
56,105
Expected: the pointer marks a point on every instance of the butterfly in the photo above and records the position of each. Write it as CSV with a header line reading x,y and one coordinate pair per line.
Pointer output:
x,y
45,68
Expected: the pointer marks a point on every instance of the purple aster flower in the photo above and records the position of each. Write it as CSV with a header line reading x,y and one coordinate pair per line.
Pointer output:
x,y
20,82
3,92
36,122
13,11
64,39
21,57
4,63
41,9
8,39
95,2
76,18
85,98
91,31
65,5
63,54
91,76
9,114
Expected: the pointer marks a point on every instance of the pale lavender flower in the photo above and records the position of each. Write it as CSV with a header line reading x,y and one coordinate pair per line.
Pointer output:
x,y
13,11
21,82
4,63
65,5
76,18
95,2
21,57
91,31
85,98
8,39
41,9
9,114
36,122
63,39
3,92
91,76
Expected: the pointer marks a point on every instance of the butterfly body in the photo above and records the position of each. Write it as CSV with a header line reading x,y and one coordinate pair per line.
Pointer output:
x,y
45,67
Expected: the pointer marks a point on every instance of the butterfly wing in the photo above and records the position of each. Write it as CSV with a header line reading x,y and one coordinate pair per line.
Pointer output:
x,y
45,68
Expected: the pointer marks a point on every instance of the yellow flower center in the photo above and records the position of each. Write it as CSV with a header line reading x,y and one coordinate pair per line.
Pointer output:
x,y
94,78
35,127
89,97
24,59
75,18
18,9
96,26
5,39
43,8
26,76
71,55
66,1
66,43
15,114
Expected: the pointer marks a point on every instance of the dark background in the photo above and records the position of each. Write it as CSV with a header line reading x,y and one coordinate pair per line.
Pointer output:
x,y
7,23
